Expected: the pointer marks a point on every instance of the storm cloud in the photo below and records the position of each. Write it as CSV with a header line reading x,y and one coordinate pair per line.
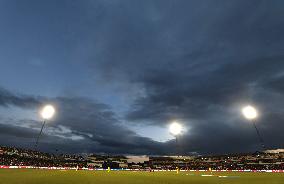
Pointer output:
x,y
124,64
80,125
199,63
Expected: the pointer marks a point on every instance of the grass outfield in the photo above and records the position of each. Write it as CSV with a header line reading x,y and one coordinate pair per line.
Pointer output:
x,y
30,176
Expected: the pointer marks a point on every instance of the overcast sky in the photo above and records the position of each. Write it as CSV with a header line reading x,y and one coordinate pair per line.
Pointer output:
x,y
120,71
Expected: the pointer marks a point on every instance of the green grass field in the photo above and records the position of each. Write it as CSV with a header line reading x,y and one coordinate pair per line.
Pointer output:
x,y
30,176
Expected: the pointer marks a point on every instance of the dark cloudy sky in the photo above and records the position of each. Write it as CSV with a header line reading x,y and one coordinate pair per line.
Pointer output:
x,y
120,71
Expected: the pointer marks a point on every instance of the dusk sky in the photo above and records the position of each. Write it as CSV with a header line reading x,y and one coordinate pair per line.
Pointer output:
x,y
120,71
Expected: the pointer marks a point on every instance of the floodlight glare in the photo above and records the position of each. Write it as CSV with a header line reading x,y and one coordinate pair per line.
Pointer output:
x,y
249,112
175,128
47,112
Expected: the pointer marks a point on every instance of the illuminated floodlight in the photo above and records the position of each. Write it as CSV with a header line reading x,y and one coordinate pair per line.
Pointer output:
x,y
175,128
47,112
249,112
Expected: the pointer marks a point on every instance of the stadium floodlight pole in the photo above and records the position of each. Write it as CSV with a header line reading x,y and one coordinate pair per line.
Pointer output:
x,y
251,114
175,130
46,113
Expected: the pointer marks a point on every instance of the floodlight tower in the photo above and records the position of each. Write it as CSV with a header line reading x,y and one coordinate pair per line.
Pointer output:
x,y
250,113
175,130
46,113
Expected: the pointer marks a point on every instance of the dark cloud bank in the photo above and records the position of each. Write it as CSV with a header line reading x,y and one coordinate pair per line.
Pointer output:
x,y
196,62
80,125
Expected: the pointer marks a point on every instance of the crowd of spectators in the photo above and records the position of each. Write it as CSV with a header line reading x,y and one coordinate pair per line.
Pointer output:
x,y
11,156
252,161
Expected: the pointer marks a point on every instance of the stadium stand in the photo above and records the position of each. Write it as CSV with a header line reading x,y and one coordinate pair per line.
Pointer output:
x,y
270,160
